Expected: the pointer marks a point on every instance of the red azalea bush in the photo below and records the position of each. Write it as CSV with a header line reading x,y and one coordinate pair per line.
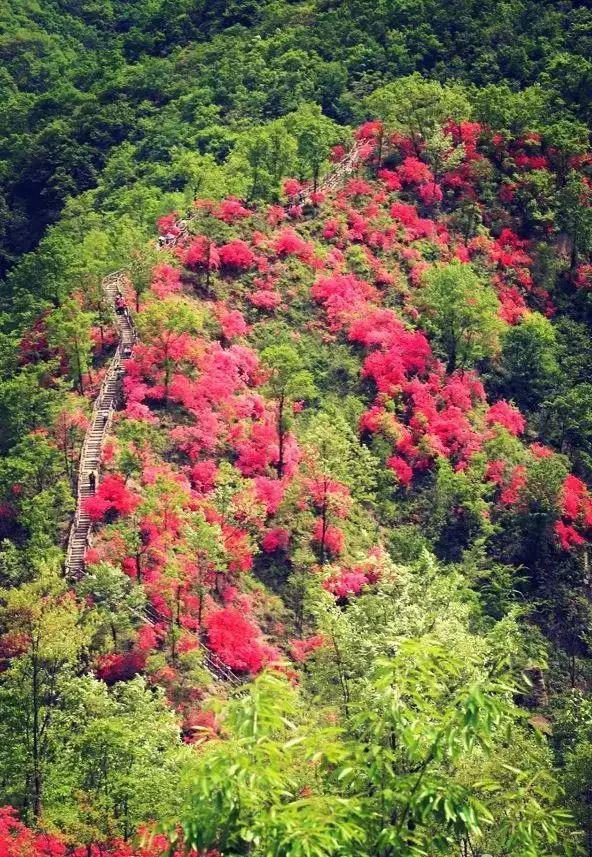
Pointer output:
x,y
202,253
275,540
237,255
237,641
330,538
301,650
231,209
574,528
17,840
112,496
506,415
116,667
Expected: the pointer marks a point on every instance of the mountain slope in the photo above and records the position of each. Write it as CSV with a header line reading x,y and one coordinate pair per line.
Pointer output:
x,y
318,468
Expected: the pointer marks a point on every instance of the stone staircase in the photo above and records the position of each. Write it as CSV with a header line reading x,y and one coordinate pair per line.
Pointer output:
x,y
99,428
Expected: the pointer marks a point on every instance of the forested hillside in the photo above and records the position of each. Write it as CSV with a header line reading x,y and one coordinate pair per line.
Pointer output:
x,y
296,474
104,93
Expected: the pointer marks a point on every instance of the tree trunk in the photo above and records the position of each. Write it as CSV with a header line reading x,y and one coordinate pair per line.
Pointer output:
x,y
37,781
175,624
573,264
342,677
379,152
167,381
452,357
323,532
255,182
280,431
208,260
78,367
201,592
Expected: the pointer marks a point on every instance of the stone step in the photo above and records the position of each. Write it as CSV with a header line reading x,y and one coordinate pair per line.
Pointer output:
x,y
95,435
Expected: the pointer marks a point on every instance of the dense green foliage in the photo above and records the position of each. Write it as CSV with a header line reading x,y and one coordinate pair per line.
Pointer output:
x,y
337,599
108,94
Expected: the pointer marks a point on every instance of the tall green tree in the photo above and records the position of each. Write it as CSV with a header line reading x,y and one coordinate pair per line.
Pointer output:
x,y
529,361
53,633
461,309
418,107
288,381
117,755
574,216
315,134
69,330
388,783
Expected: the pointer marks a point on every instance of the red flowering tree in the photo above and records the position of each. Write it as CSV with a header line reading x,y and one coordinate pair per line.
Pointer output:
x,y
167,325
202,256
116,667
574,528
